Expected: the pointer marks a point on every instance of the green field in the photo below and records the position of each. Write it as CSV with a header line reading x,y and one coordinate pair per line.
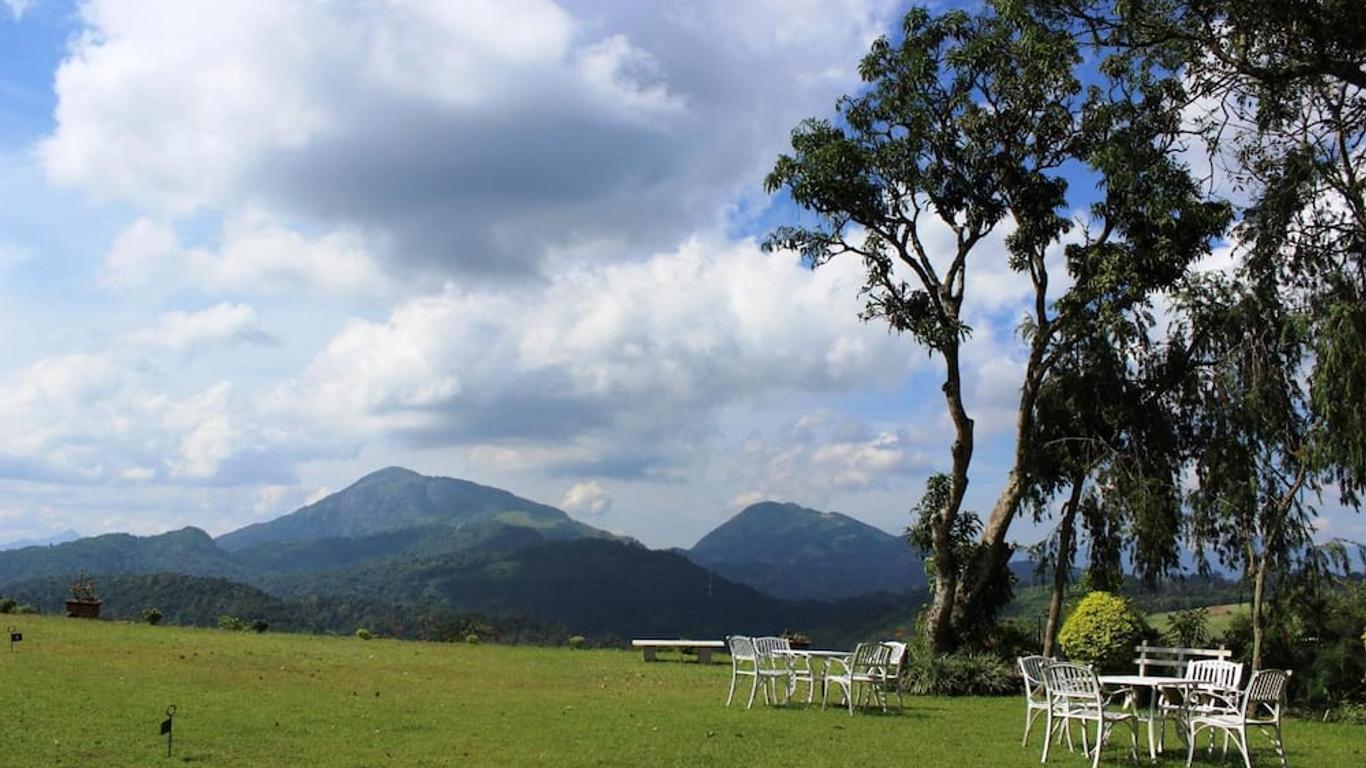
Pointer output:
x,y
81,693
1220,617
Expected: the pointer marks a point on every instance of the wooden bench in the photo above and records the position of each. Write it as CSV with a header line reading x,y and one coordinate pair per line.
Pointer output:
x,y
703,647
1172,661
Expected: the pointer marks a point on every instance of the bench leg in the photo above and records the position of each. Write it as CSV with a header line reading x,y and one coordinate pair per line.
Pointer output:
x,y
703,655
648,652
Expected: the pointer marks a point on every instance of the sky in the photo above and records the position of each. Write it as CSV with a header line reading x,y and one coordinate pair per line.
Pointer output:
x,y
252,251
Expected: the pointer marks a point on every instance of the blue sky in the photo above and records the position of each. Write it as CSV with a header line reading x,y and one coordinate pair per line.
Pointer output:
x,y
251,251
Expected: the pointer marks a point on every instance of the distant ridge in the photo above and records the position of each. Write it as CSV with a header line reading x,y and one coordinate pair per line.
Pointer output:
x,y
792,552
397,499
60,538
188,551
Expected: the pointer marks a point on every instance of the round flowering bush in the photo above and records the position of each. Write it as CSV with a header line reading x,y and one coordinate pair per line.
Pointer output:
x,y
1102,631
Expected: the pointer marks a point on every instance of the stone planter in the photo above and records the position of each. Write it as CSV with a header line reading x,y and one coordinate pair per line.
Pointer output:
x,y
83,609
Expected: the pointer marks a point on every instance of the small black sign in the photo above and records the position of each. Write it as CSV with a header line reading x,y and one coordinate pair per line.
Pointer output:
x,y
14,637
166,728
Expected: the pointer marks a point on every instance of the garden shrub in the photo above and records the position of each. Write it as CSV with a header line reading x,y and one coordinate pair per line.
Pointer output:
x,y
8,605
472,639
151,616
1188,628
962,673
259,625
1102,631
364,634
231,623
577,641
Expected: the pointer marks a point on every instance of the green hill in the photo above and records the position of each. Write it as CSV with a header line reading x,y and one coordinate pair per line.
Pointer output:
x,y
793,552
188,551
397,499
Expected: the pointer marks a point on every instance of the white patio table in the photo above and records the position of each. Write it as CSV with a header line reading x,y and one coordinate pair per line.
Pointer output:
x,y
1155,684
824,656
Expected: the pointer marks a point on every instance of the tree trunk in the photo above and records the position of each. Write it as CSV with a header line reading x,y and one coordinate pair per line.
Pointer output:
x,y
1062,569
939,621
977,578
1258,620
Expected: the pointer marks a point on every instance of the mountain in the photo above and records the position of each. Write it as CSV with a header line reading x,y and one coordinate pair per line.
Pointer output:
x,y
601,589
793,552
397,499
188,551
60,538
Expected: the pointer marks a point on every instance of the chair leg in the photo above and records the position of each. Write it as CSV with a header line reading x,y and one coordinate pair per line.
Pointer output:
x,y
753,690
1242,747
1190,746
1101,733
1280,746
1030,714
731,695
1047,732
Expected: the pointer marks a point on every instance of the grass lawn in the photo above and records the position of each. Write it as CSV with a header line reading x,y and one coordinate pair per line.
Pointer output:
x,y
82,693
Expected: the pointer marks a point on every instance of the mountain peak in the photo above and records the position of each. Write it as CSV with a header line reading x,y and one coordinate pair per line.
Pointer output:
x,y
394,499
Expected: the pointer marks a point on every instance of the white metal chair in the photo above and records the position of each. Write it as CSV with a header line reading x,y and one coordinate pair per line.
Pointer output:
x,y
866,666
1215,676
753,658
774,666
1259,706
1075,694
891,674
1035,691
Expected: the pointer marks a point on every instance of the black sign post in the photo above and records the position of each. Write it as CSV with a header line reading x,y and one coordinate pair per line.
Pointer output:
x,y
14,637
166,728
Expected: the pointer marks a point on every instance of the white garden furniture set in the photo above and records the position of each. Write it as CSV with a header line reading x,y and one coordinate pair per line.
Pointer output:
x,y
1204,698
862,676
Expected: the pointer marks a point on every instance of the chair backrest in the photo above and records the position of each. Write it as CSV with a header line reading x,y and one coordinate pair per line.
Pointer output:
x,y
870,657
1227,674
742,648
896,653
1265,693
766,646
1072,681
1031,671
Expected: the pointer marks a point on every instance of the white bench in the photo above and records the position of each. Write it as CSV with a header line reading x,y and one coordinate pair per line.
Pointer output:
x,y
703,647
1173,661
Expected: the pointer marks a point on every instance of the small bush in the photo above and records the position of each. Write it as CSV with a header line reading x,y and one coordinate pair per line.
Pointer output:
x,y
576,642
151,616
231,623
959,674
259,625
364,634
1188,628
8,605
472,639
1102,631
26,608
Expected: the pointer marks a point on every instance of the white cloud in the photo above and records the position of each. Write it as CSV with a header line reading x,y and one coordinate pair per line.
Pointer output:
x,y
17,8
643,352
257,254
220,323
589,499
479,136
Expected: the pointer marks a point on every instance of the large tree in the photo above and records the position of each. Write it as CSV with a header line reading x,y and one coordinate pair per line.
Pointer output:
x,y
1279,102
969,123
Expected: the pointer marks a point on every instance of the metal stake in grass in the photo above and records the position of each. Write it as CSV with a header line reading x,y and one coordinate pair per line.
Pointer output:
x,y
166,728
14,637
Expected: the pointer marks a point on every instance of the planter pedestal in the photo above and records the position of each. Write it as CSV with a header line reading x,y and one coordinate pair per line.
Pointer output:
x,y
83,609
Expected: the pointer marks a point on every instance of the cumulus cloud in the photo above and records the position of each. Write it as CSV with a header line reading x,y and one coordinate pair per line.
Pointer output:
x,y
595,367
479,136
256,254
226,322
589,499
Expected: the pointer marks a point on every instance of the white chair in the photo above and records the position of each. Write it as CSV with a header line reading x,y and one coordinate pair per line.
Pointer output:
x,y
1214,676
866,666
753,658
891,674
774,664
1075,694
1259,706
1035,691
